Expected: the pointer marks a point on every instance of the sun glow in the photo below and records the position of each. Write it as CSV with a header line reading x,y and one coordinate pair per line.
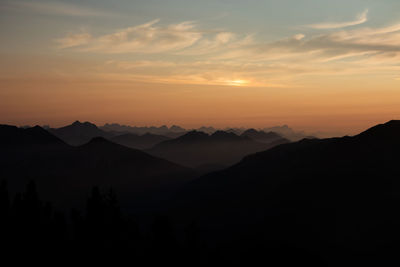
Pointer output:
x,y
237,82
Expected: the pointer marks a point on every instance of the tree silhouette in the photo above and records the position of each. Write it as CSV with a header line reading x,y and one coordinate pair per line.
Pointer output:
x,y
4,200
4,214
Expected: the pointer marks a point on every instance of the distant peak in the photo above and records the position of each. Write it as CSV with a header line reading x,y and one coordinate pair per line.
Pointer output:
x,y
37,127
193,135
224,135
176,128
86,123
250,131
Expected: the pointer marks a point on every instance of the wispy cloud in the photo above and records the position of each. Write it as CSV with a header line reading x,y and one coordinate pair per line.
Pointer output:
x,y
55,8
74,40
383,42
151,37
193,55
360,19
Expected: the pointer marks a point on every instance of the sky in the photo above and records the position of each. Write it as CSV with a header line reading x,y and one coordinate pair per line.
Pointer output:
x,y
316,65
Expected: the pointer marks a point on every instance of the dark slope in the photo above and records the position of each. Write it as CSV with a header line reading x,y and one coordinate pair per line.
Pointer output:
x,y
65,174
145,141
198,149
339,195
79,133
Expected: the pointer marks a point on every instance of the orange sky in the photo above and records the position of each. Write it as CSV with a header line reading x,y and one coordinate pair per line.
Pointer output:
x,y
335,71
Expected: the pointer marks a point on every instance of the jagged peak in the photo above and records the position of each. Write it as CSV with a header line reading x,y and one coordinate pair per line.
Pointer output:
x,y
222,135
86,123
251,131
194,133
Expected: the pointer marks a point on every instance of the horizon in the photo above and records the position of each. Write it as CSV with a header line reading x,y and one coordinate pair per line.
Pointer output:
x,y
220,63
317,134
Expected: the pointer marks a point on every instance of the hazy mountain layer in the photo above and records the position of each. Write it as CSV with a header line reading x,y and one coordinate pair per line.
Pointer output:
x,y
145,141
197,148
79,133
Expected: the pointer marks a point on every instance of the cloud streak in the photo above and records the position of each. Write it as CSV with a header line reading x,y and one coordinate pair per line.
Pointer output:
x,y
192,55
151,38
145,38
360,19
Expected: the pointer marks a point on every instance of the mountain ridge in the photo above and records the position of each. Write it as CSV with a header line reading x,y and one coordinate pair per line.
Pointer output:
x,y
351,181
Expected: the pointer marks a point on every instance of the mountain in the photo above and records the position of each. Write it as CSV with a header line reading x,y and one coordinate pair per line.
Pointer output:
x,y
173,131
65,174
196,149
205,129
263,137
177,129
79,133
237,131
337,198
11,136
286,132
145,141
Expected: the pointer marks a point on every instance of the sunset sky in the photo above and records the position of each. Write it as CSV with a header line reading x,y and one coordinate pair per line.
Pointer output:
x,y
316,65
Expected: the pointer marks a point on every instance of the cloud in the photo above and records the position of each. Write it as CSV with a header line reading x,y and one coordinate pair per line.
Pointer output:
x,y
148,38
187,54
360,19
56,8
74,40
183,38
336,45
145,38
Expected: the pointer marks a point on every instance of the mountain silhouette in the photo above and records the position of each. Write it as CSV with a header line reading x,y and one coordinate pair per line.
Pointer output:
x,y
287,132
79,133
196,148
67,173
145,141
325,195
208,130
11,136
173,132
263,137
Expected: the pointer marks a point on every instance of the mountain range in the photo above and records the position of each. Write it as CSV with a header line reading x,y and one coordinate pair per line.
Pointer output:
x,y
145,141
263,137
79,133
322,195
196,149
67,173
331,200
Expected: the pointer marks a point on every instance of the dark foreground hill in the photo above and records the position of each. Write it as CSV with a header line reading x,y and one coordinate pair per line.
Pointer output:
x,y
196,149
66,174
336,199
